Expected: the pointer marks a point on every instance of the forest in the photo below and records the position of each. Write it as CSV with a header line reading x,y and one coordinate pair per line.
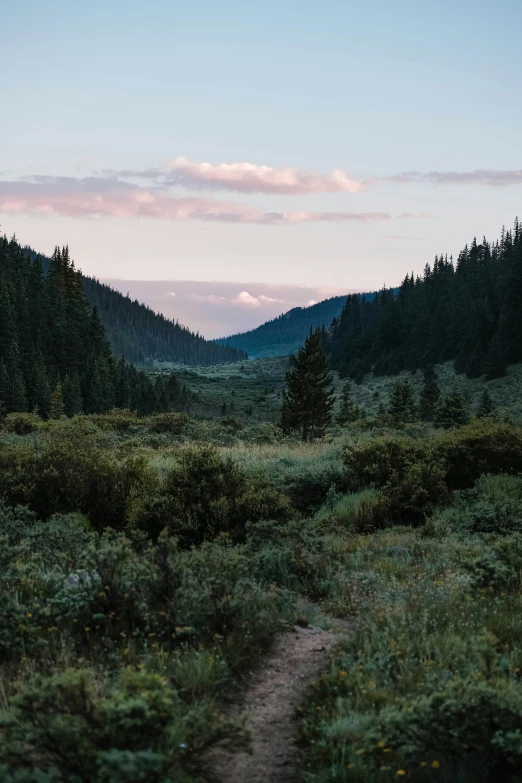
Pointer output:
x,y
139,335
261,570
467,311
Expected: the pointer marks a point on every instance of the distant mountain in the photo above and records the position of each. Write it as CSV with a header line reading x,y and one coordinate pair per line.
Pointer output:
x,y
286,333
140,335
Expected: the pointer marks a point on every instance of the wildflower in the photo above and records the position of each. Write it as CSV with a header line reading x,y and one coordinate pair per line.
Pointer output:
x,y
29,614
401,772
435,764
381,744
87,628
349,766
25,658
384,769
386,750
342,673
359,752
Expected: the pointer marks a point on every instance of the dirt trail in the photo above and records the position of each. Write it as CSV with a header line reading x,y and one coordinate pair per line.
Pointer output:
x,y
270,702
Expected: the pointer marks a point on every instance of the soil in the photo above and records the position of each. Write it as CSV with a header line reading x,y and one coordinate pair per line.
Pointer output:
x,y
269,703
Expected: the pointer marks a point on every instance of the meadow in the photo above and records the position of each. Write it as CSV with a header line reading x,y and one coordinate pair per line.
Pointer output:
x,y
148,563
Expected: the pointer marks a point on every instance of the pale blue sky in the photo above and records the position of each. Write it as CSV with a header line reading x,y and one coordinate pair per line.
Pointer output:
x,y
372,88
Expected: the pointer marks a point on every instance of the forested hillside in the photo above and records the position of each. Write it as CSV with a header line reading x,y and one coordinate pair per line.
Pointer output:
x,y
286,333
55,357
138,334
469,311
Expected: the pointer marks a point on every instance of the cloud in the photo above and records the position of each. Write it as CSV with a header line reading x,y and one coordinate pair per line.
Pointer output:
x,y
171,293
244,298
270,300
490,177
112,198
413,215
251,178
311,302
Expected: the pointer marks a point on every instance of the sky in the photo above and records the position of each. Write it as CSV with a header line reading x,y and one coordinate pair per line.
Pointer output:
x,y
333,145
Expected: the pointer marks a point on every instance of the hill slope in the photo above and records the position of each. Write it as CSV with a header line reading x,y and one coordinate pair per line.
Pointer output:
x,y
55,357
139,334
286,333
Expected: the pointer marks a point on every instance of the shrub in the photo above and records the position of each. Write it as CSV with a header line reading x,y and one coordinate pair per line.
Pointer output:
x,y
471,728
205,495
499,568
171,423
494,505
135,729
358,512
117,419
409,473
22,423
485,446
71,472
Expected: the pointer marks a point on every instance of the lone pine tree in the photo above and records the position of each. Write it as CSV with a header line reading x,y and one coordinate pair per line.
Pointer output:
x,y
348,410
402,401
308,398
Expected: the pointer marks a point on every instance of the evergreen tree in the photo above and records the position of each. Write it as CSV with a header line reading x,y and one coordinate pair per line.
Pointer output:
x,y
72,395
348,410
453,410
469,312
486,406
308,398
430,395
57,409
402,401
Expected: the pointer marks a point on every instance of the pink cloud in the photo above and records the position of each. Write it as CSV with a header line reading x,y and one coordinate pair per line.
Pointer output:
x,y
490,177
251,178
112,198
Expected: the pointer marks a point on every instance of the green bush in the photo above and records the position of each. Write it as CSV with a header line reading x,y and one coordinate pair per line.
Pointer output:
x,y
485,446
70,472
472,730
409,473
171,423
134,729
206,495
494,505
22,423
500,567
358,512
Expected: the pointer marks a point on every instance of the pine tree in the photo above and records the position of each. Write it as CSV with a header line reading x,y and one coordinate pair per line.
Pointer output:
x,y
430,395
72,395
453,411
486,406
348,410
402,402
57,409
17,400
308,398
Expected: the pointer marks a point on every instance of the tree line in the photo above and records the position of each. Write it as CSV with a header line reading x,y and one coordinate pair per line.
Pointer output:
x,y
55,356
309,399
139,335
468,311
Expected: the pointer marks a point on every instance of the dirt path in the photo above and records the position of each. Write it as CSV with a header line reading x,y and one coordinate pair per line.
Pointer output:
x,y
270,702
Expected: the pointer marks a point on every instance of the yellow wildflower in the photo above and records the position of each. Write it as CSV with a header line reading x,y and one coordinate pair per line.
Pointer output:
x,y
435,764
